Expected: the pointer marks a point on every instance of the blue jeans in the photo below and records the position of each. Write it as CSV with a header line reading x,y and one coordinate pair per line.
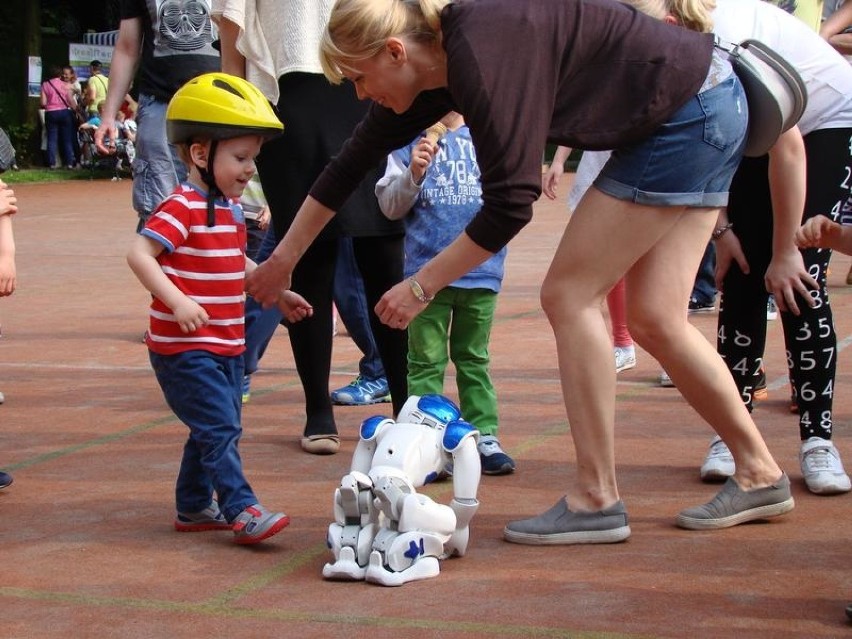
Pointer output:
x,y
351,301
704,288
260,323
157,169
688,161
204,391
61,133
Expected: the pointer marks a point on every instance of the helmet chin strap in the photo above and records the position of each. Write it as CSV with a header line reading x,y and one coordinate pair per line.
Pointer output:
x,y
208,179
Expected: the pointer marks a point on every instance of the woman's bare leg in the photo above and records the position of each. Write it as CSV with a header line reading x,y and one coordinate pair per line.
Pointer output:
x,y
660,249
658,288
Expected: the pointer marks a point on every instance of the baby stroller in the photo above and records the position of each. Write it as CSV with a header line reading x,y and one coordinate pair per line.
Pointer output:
x,y
7,153
91,158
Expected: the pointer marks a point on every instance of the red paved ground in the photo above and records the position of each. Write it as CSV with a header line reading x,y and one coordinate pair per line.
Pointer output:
x,y
86,543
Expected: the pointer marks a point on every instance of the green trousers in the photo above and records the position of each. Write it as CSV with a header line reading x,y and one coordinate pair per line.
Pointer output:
x,y
456,326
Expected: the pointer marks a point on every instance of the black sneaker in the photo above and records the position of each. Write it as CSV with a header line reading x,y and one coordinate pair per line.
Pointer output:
x,y
5,479
701,307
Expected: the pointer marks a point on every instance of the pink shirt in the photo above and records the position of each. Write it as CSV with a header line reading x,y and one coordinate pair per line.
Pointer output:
x,y
54,91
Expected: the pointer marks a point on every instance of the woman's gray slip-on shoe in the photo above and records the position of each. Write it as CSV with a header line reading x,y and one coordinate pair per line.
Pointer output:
x,y
732,505
559,525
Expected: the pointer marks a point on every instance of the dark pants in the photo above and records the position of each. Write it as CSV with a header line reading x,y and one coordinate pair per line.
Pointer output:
x,y
810,338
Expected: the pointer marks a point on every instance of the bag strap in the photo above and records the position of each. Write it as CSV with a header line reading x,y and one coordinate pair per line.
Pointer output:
x,y
56,91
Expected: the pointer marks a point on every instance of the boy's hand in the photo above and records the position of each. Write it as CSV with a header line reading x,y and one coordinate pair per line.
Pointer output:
x,y
190,315
294,307
817,232
8,201
8,275
421,158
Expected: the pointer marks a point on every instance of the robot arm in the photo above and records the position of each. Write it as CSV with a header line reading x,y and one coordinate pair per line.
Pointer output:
x,y
460,440
371,429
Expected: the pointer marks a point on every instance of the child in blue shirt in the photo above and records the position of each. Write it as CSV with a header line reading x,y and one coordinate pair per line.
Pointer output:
x,y
434,184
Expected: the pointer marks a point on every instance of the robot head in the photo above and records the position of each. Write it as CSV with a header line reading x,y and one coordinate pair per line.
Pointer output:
x,y
432,410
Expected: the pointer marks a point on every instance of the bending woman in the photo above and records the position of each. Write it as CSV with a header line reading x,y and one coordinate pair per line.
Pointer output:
x,y
654,205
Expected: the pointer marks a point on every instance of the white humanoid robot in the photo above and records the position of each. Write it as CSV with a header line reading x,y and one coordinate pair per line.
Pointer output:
x,y
384,531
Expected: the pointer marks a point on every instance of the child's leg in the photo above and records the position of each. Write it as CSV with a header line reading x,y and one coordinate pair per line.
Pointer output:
x,y
616,302
427,346
470,333
204,391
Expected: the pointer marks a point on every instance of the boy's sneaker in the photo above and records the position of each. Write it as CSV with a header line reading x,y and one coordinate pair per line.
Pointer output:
x,y
701,307
246,388
362,392
493,459
256,523
211,518
5,479
719,463
821,467
625,358
665,380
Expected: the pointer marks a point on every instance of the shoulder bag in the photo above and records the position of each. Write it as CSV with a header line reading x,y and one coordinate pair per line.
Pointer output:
x,y
775,92
78,116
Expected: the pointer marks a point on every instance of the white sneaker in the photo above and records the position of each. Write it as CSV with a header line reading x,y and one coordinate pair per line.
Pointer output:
x,y
665,380
771,309
822,468
625,357
719,463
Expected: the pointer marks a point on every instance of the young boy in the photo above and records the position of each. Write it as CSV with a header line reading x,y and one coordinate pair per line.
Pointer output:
x,y
434,183
191,257
8,276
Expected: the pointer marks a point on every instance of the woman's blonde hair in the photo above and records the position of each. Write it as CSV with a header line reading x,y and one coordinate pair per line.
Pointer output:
x,y
692,14
358,29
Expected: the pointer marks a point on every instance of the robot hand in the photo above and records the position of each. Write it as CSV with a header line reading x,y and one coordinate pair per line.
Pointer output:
x,y
464,510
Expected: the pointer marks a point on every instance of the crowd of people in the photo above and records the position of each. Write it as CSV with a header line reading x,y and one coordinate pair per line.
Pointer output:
x,y
422,215
71,114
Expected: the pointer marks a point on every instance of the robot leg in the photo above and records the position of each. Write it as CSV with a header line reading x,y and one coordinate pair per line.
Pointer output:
x,y
351,536
411,551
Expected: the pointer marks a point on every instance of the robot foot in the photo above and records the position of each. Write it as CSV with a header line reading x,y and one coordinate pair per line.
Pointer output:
x,y
345,568
424,568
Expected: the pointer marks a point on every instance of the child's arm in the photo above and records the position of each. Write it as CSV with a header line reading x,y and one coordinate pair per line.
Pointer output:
x,y
142,259
8,201
399,188
294,307
821,232
550,180
8,274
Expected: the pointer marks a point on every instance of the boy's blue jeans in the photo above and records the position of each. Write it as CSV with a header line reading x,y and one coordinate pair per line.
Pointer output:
x,y
205,392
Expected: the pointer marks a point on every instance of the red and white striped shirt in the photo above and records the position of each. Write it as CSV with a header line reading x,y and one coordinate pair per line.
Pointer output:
x,y
207,263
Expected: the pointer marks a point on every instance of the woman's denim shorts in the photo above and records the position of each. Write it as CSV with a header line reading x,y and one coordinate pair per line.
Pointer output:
x,y
689,160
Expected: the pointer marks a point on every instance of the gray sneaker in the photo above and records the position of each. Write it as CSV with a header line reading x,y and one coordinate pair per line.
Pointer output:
x,y
256,523
559,525
211,518
732,505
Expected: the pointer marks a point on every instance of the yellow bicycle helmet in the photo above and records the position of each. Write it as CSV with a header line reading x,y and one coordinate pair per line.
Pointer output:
x,y
218,106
